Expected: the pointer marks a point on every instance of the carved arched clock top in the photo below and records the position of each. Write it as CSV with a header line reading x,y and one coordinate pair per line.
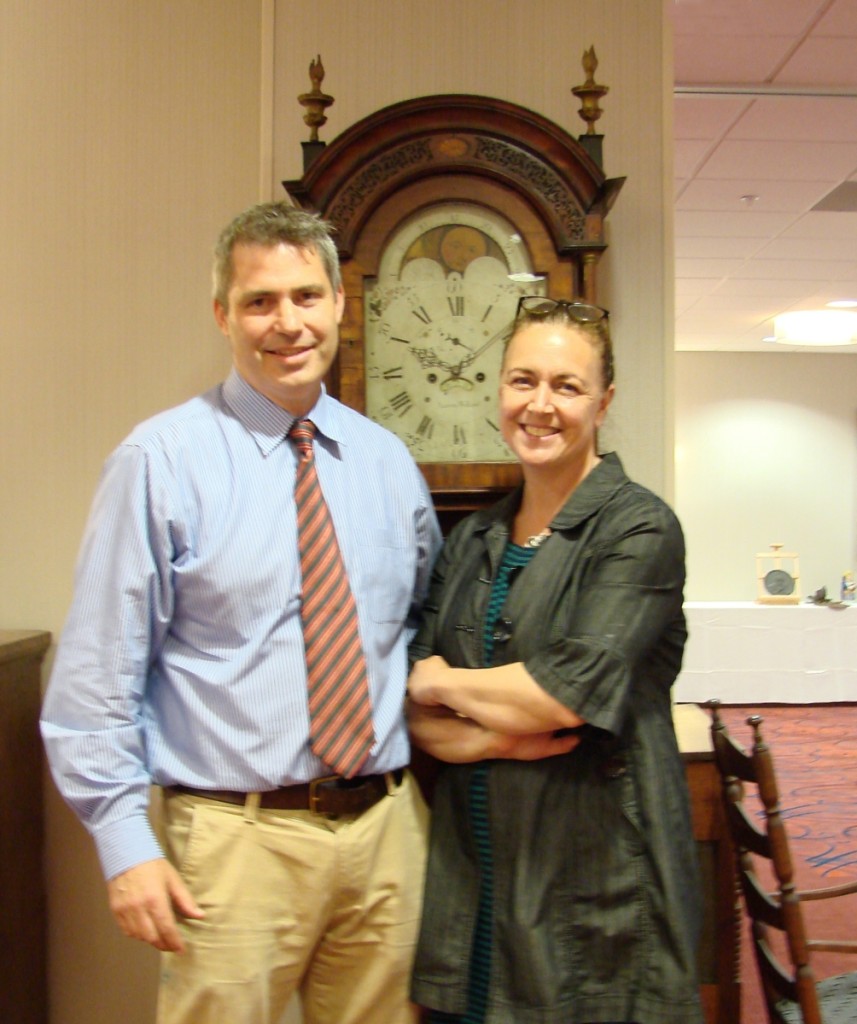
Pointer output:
x,y
462,135
426,193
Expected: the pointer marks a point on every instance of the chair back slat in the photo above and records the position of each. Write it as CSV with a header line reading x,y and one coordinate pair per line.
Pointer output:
x,y
742,827
775,978
761,905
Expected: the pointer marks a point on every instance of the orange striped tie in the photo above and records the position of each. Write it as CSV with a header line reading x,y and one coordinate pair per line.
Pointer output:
x,y
339,706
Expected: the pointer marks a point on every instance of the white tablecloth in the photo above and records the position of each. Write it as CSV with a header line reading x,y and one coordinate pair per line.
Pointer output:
x,y
746,653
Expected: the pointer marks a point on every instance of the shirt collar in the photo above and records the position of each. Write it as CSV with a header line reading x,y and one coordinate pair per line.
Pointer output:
x,y
269,423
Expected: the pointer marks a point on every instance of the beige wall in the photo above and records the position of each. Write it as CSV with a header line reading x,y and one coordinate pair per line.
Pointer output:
x,y
766,452
132,130
130,133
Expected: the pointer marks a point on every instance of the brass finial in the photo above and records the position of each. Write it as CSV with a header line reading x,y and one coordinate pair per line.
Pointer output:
x,y
590,92
315,101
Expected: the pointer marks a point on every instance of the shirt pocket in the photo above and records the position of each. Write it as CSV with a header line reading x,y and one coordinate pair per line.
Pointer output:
x,y
386,562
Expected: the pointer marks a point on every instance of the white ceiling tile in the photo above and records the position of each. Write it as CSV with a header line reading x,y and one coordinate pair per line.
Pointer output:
x,y
766,269
697,117
743,309
774,196
798,119
818,298
717,248
808,248
695,268
688,155
846,274
823,225
691,288
742,223
821,61
840,20
754,17
682,305
730,323
745,59
781,161
736,265
777,288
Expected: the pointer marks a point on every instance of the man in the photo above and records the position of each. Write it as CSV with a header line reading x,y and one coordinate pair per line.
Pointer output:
x,y
183,663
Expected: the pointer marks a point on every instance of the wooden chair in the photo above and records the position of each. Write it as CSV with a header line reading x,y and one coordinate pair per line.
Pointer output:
x,y
791,992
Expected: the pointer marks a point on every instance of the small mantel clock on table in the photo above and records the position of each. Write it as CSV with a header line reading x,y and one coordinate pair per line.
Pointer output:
x,y
447,209
778,576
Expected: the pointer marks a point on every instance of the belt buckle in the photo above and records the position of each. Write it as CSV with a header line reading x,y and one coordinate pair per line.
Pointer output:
x,y
314,796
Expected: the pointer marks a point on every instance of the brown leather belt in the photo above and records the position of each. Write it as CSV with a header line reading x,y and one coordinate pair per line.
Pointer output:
x,y
332,795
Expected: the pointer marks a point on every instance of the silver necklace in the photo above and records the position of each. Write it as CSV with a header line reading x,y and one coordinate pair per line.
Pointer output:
x,y
538,539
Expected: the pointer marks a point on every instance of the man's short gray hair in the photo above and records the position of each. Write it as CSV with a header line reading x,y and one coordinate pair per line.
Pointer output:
x,y
271,224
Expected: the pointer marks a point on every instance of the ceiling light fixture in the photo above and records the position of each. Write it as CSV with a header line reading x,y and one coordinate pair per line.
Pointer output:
x,y
819,327
842,304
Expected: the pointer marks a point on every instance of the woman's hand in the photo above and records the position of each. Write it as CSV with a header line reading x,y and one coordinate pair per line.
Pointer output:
x,y
536,746
505,699
427,678
452,738
449,737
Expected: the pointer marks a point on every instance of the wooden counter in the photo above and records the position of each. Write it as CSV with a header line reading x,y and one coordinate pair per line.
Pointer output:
x,y
719,955
23,990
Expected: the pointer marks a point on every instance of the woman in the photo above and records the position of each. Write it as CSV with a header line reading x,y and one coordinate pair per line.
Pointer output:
x,y
562,882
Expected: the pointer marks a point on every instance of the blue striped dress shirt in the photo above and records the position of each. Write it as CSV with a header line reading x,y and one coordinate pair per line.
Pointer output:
x,y
182,658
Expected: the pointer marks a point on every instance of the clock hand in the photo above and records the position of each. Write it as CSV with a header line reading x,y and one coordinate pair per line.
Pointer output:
x,y
427,357
455,340
504,331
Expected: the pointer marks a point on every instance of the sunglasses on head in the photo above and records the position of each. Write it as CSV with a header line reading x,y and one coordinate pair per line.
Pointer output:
x,y
579,312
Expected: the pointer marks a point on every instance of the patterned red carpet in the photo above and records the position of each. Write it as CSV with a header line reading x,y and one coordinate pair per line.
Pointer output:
x,y
815,754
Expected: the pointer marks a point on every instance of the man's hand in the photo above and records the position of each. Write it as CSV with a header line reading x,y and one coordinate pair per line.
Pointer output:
x,y
142,900
424,679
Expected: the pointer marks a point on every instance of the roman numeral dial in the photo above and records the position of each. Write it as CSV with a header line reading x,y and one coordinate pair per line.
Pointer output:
x,y
437,319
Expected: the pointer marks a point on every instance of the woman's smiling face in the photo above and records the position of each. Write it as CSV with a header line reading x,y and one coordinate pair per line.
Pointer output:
x,y
552,399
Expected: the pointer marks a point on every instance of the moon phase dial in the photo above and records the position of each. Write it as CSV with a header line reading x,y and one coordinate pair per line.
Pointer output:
x,y
438,316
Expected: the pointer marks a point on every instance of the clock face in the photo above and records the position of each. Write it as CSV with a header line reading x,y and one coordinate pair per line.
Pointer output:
x,y
437,318
779,583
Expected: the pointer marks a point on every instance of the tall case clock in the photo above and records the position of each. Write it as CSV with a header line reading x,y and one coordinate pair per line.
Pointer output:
x,y
447,208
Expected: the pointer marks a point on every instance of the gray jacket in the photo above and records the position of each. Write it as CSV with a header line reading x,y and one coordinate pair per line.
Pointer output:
x,y
597,900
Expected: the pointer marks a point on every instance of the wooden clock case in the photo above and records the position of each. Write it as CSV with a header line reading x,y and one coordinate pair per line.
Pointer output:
x,y
472,149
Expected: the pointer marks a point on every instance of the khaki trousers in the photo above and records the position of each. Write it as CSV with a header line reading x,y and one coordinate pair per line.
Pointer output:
x,y
295,902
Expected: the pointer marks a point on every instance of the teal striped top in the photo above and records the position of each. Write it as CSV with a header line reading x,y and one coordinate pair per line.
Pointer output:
x,y
496,631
